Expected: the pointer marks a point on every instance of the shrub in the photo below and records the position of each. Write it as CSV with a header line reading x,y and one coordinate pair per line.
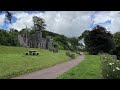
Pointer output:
x,y
110,66
116,51
55,50
51,49
78,52
68,53
72,56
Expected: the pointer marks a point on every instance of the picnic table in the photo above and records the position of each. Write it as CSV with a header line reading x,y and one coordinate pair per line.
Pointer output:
x,y
32,52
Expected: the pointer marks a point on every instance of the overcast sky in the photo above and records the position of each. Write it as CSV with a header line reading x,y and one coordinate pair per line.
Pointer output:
x,y
69,23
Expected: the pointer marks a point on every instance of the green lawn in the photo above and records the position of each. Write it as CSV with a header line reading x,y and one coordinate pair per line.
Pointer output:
x,y
89,68
14,62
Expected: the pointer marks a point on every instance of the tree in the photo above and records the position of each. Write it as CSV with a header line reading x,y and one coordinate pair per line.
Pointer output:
x,y
84,37
39,23
116,38
8,38
74,43
116,50
84,34
61,41
99,40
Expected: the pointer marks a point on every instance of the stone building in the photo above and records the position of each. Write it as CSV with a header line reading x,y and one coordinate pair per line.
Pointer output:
x,y
35,41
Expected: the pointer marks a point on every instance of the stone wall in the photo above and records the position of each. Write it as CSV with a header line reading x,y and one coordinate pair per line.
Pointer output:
x,y
21,41
35,41
49,43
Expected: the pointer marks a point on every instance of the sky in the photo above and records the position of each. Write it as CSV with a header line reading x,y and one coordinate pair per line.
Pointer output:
x,y
69,23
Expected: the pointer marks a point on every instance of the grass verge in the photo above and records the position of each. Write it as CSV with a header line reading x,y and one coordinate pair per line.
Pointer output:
x,y
14,62
89,68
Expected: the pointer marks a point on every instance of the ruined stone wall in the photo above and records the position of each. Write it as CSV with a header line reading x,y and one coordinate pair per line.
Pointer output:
x,y
21,40
36,41
43,43
49,43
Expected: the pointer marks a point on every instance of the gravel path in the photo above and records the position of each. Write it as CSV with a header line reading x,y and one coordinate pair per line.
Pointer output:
x,y
52,72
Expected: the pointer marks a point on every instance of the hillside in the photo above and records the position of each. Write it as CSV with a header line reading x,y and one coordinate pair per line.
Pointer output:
x,y
14,62
48,33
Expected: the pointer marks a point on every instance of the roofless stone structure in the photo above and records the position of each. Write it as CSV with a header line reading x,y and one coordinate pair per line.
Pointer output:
x,y
35,40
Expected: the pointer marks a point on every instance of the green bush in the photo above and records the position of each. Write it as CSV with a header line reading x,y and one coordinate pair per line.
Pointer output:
x,y
70,55
60,47
78,52
116,51
55,50
110,66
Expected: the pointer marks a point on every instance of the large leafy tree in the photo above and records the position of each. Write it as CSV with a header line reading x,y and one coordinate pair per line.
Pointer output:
x,y
116,50
62,42
84,34
74,41
84,37
99,40
8,38
116,38
39,23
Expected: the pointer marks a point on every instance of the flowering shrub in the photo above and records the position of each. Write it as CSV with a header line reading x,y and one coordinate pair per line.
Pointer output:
x,y
110,66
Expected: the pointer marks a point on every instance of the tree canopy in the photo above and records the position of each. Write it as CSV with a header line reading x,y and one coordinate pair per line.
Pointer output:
x,y
99,40
39,23
116,49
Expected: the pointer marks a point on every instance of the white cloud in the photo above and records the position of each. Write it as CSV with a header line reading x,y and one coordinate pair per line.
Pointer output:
x,y
102,17
23,20
113,16
70,23
2,18
115,25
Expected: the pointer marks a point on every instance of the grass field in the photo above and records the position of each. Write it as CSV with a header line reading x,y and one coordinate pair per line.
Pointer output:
x,y
14,62
89,68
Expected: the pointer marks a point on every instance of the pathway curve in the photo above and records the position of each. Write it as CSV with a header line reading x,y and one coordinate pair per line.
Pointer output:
x,y
52,72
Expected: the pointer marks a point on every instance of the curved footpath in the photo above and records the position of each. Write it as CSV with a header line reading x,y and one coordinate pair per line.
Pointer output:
x,y
52,72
